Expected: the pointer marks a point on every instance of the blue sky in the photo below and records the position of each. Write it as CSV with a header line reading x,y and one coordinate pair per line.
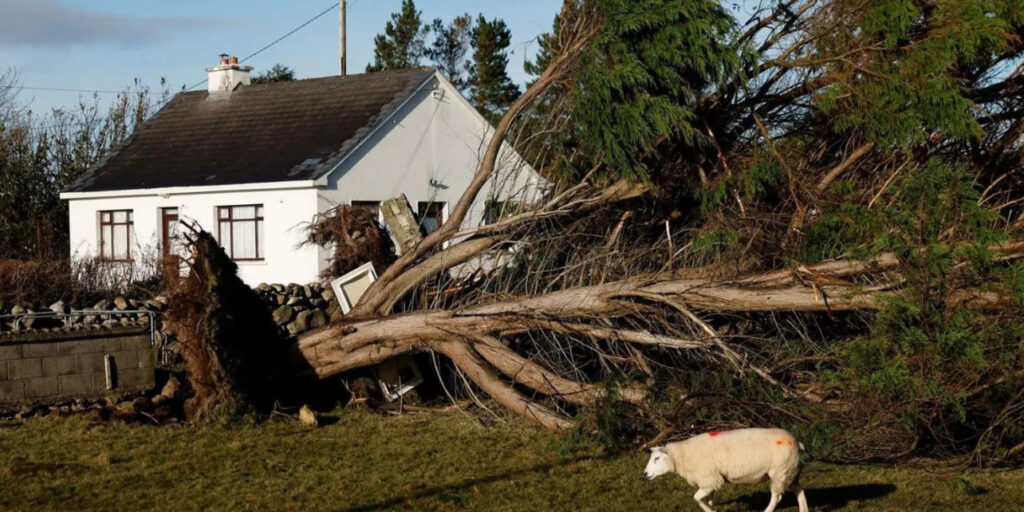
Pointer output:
x,y
105,44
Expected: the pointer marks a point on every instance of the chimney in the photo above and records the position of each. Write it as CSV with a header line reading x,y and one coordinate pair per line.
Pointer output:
x,y
227,76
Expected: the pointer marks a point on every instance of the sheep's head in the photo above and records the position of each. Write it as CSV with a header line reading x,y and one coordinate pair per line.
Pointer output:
x,y
659,464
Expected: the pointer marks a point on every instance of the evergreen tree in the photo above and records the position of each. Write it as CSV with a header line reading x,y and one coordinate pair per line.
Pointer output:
x,y
450,46
278,73
491,89
402,44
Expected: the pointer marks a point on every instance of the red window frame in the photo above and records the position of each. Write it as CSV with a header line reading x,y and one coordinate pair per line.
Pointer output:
x,y
257,219
107,219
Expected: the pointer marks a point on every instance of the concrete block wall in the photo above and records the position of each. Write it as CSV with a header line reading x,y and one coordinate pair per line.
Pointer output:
x,y
44,366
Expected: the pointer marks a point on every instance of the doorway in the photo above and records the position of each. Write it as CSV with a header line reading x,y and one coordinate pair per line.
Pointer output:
x,y
168,230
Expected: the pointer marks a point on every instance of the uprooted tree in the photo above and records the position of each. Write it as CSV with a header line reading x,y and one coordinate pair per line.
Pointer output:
x,y
809,218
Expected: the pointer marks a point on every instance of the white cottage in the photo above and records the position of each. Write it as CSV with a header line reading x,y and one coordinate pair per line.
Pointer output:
x,y
254,163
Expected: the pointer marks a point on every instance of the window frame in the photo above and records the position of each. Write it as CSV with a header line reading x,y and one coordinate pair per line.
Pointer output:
x,y
377,207
129,227
442,210
257,220
167,235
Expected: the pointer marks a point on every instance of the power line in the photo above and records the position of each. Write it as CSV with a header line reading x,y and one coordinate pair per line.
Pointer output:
x,y
333,6
197,84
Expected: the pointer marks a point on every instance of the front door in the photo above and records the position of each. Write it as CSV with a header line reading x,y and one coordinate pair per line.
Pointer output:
x,y
168,229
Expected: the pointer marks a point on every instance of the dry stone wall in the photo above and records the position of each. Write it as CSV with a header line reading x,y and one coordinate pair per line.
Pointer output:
x,y
297,308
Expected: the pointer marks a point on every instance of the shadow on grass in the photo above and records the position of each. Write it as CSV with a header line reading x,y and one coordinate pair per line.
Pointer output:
x,y
824,498
449,493
328,420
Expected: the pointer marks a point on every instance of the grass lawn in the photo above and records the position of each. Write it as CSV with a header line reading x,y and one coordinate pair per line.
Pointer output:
x,y
366,462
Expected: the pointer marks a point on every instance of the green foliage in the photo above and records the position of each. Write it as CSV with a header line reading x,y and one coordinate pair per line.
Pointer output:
x,y
751,183
641,76
402,44
277,73
616,426
491,90
907,89
714,241
924,351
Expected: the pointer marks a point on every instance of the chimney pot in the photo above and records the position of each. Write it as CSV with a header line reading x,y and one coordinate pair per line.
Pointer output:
x,y
233,60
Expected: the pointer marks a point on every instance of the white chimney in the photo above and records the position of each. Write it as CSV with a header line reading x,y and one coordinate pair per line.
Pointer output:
x,y
227,76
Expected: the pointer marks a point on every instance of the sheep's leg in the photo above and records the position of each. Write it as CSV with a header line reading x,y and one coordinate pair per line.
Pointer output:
x,y
773,502
699,497
801,499
777,486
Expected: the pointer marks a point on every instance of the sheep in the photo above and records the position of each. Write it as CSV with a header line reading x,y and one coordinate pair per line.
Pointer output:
x,y
740,456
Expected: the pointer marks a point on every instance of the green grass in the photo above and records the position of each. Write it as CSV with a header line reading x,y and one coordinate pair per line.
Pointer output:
x,y
413,462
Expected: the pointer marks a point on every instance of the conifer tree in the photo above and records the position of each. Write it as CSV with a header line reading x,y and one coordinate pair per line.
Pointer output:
x,y
450,46
491,89
402,44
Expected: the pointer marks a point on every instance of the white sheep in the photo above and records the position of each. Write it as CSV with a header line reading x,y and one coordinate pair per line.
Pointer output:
x,y
744,456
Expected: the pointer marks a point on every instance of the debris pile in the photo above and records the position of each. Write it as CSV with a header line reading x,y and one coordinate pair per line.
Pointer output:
x,y
165,407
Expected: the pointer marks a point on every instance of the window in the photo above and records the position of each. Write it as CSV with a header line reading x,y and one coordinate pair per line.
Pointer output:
x,y
168,230
431,216
498,210
240,231
116,235
370,206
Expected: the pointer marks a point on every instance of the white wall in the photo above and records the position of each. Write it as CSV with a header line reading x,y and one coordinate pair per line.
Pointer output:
x,y
428,138
284,210
431,137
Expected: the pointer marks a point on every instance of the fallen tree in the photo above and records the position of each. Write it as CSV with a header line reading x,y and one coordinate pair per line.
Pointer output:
x,y
470,336
750,211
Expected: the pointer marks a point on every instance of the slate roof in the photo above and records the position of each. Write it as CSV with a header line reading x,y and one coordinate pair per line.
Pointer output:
x,y
283,131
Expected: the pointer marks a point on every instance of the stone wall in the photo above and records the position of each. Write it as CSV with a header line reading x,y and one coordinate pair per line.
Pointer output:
x,y
105,314
298,308
49,365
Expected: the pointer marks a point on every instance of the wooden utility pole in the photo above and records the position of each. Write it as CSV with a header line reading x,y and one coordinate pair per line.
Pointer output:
x,y
341,42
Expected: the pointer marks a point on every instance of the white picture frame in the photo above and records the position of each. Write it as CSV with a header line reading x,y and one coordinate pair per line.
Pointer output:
x,y
350,287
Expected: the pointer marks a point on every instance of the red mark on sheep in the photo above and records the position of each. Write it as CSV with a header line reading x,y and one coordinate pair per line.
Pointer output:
x,y
714,433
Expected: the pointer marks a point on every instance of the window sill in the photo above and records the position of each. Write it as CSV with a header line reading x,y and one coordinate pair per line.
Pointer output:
x,y
250,262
